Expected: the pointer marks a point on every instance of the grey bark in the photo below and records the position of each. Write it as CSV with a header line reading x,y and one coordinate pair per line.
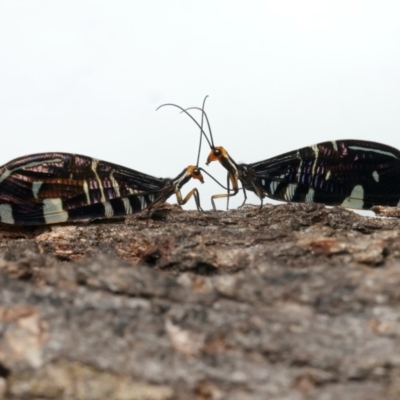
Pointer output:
x,y
294,302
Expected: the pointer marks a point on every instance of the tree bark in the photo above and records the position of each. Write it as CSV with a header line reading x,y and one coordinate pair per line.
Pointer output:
x,y
293,302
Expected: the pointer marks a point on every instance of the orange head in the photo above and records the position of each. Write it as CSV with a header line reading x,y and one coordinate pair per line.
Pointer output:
x,y
195,173
216,154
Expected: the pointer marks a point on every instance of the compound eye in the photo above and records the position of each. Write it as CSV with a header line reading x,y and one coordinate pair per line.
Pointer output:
x,y
217,152
196,171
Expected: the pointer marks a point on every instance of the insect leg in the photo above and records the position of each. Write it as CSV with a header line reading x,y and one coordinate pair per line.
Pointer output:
x,y
245,197
235,188
195,193
228,184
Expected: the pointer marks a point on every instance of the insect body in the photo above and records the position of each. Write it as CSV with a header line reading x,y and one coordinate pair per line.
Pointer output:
x,y
51,188
351,173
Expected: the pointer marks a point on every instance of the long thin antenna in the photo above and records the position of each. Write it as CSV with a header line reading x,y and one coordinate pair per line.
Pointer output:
x,y
208,122
183,110
201,132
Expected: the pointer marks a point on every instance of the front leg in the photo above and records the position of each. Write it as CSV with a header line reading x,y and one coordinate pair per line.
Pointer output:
x,y
195,193
235,187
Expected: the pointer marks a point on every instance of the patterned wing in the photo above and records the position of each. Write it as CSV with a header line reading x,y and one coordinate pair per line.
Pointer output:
x,y
352,173
57,187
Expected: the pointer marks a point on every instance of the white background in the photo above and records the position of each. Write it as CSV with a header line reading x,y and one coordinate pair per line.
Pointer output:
x,y
86,77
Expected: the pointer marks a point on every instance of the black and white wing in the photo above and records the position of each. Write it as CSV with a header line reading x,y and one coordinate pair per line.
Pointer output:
x,y
352,173
58,187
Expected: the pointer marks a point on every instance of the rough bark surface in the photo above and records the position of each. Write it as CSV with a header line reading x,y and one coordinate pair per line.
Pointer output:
x,y
296,302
